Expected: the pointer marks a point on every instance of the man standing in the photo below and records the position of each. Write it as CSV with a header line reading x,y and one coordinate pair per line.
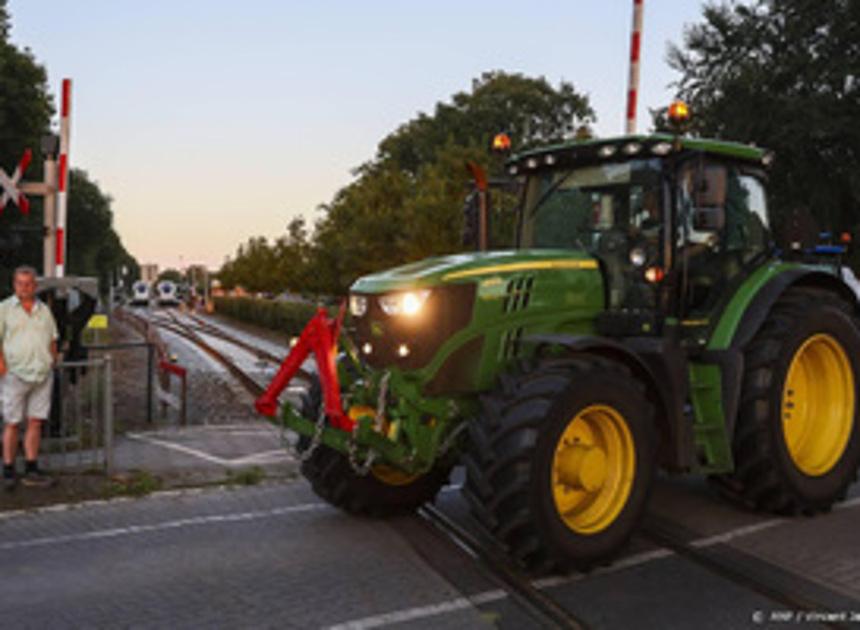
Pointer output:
x,y
28,353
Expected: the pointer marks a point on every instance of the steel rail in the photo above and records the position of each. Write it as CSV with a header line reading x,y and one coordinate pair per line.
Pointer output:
x,y
795,592
540,605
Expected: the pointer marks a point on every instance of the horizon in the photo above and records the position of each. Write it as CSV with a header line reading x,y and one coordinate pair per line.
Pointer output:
x,y
225,131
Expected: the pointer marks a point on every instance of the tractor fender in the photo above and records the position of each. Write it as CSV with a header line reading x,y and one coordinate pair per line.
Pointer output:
x,y
761,305
660,365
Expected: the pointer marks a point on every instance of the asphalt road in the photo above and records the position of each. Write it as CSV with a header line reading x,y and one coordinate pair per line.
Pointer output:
x,y
275,556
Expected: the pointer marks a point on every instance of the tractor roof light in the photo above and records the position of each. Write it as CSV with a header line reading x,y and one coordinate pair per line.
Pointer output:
x,y
501,143
632,148
607,151
679,113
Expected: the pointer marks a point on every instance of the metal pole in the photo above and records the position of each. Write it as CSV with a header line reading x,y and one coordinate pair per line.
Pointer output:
x,y
63,193
108,402
635,48
48,267
150,369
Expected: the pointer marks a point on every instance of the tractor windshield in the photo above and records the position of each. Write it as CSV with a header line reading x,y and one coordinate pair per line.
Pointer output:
x,y
591,207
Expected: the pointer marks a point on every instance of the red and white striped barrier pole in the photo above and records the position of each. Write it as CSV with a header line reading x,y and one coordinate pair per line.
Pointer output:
x,y
635,49
63,177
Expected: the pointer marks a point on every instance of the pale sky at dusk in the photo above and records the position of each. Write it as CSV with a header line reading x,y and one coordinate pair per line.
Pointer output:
x,y
212,121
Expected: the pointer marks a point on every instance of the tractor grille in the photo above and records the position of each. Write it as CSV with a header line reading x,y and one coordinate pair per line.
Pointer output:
x,y
518,293
510,345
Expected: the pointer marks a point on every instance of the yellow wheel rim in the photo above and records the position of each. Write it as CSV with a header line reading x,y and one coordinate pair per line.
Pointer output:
x,y
386,474
392,476
818,405
593,469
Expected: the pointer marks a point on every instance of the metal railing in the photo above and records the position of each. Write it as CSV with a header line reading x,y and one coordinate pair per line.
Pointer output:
x,y
80,435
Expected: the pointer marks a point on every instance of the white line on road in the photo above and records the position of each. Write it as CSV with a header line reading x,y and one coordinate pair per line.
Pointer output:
x,y
179,448
177,524
419,612
461,603
214,459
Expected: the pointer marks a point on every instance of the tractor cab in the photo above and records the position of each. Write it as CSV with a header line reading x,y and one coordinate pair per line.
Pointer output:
x,y
672,222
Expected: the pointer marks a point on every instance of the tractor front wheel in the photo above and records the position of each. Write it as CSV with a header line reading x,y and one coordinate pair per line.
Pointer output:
x,y
561,462
383,491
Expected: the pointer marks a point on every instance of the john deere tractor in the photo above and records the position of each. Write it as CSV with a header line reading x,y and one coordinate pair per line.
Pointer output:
x,y
645,319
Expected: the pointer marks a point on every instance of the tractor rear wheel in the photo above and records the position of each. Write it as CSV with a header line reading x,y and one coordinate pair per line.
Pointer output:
x,y
561,462
381,492
797,442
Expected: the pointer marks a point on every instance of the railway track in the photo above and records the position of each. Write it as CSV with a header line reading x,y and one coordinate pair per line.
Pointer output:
x,y
791,591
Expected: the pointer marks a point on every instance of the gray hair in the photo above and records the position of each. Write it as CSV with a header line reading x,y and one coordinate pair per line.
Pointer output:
x,y
26,270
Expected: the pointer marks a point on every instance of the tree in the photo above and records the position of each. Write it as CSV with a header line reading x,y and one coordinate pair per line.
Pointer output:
x,y
170,275
784,74
406,203
25,114
26,108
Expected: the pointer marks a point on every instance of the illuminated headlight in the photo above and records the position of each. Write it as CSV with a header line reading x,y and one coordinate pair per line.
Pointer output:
x,y
632,148
661,148
357,305
408,303
532,163
638,257
549,160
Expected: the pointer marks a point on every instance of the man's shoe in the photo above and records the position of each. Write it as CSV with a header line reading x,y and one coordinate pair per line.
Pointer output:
x,y
10,483
36,478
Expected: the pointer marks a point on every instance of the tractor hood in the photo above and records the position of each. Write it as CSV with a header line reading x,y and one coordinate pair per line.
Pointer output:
x,y
471,267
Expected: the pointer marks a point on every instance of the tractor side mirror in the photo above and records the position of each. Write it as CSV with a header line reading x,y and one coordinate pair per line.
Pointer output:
x,y
709,214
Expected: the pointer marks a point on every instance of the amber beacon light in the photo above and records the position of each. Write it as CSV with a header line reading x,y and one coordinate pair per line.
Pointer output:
x,y
679,112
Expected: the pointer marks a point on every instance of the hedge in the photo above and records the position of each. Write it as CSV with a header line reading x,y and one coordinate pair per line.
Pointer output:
x,y
286,317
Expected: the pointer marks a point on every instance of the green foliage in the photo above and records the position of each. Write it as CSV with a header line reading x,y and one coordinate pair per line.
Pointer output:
x,y
137,483
784,75
94,249
286,317
406,203
173,275
26,108
246,477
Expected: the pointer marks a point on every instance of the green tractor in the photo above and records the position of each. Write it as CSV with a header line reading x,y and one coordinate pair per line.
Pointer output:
x,y
645,319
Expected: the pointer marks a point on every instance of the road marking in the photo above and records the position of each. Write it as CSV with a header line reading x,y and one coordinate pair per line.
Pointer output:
x,y
213,459
639,559
130,530
419,612
739,532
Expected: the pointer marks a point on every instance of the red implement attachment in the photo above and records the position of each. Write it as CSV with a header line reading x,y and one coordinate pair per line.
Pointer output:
x,y
320,338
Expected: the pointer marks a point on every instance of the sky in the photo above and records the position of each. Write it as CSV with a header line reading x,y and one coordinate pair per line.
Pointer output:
x,y
211,121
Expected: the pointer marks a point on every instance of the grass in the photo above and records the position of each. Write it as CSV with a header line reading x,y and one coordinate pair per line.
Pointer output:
x,y
246,477
136,483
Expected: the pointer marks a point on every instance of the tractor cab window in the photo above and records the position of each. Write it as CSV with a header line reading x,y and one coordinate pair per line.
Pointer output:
x,y
606,210
722,227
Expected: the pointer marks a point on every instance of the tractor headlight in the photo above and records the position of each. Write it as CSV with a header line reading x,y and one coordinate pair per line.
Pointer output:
x,y
407,303
357,305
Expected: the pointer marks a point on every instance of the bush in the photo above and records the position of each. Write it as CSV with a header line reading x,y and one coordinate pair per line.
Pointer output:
x,y
287,317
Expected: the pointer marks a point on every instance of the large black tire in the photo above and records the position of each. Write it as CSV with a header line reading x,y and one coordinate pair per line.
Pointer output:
x,y
333,479
767,476
511,480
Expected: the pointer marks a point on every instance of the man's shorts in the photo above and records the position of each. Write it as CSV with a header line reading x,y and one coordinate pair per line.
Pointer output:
x,y
22,399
